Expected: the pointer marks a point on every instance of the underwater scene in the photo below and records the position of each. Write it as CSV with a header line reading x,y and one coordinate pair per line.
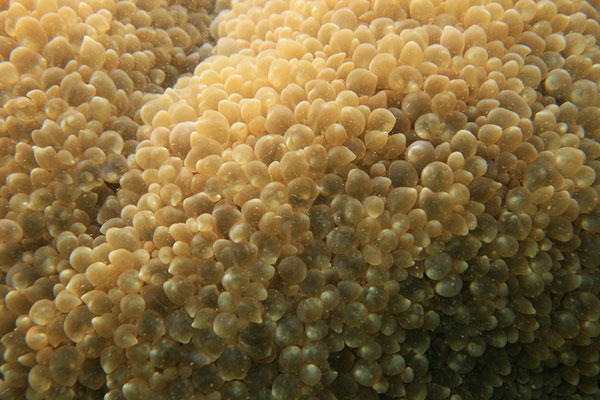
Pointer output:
x,y
299,199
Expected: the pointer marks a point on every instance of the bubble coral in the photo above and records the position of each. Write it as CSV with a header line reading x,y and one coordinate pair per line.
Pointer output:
x,y
339,199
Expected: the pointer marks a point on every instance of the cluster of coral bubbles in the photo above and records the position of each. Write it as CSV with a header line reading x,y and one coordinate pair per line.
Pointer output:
x,y
299,199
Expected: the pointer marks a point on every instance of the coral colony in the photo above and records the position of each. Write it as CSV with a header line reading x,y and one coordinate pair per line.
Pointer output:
x,y
300,199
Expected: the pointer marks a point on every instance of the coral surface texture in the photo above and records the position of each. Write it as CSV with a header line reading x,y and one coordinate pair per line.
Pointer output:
x,y
299,199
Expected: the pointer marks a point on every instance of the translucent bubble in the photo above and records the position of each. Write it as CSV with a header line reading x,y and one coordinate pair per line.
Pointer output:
x,y
560,229
136,389
39,378
42,312
310,374
279,119
437,54
452,39
353,121
64,365
150,326
411,54
125,336
437,176
269,148
233,363
292,270
91,53
405,79
285,386
293,165
566,324
310,309
449,286
179,326
569,160
225,325
464,142
558,83
340,156
419,154
362,82
10,231
438,266
97,302
365,372
489,134
519,199
291,359
429,127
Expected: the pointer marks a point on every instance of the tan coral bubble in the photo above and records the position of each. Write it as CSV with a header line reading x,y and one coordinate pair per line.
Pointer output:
x,y
362,81
91,53
10,231
376,140
125,336
279,119
341,41
422,10
293,165
27,60
96,273
30,33
352,120
437,176
75,91
438,55
336,134
345,18
322,114
558,82
569,160
64,365
42,312
9,73
453,40
444,103
405,79
429,127
214,126
584,93
382,65
363,55
419,154
412,54
339,156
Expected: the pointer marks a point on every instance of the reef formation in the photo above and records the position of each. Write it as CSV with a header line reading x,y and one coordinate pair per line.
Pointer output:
x,y
352,199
